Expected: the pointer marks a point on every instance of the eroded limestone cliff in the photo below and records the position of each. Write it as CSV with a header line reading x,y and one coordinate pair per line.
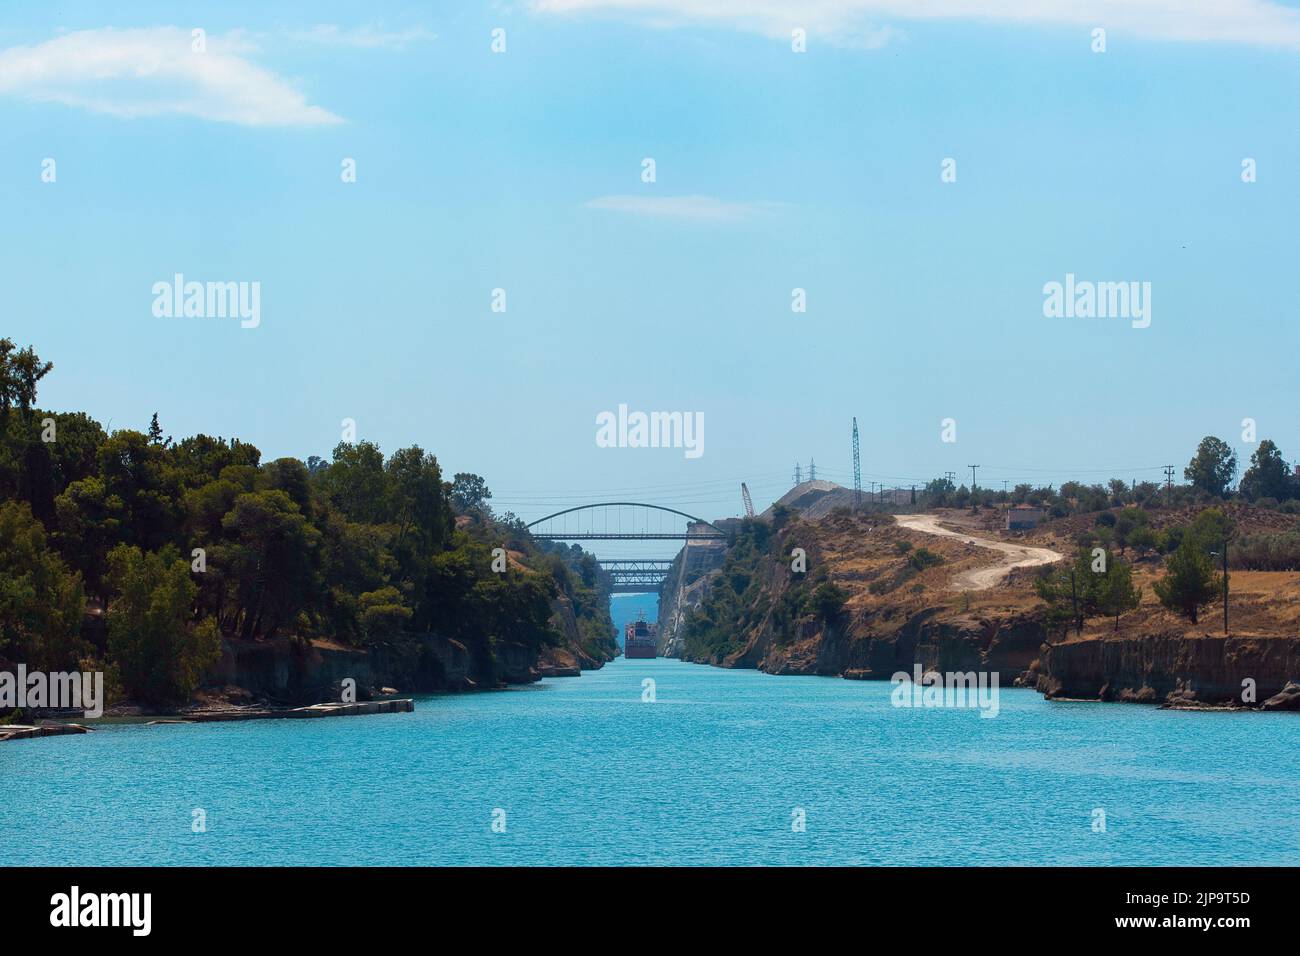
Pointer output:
x,y
868,604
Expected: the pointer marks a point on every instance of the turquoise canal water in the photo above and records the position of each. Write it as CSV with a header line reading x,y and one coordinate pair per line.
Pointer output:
x,y
711,772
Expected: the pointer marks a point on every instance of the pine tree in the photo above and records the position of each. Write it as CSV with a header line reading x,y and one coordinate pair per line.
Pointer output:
x,y
1114,590
1189,580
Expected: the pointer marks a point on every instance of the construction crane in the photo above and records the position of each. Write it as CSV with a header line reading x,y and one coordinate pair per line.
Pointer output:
x,y
749,502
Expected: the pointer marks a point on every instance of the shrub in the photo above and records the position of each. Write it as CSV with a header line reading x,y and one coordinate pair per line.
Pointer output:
x,y
923,558
1267,552
828,601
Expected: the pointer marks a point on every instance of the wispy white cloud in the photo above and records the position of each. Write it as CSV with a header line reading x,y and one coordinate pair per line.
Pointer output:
x,y
368,37
697,208
858,22
155,71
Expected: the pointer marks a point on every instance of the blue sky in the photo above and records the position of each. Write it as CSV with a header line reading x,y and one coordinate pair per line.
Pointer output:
x,y
775,170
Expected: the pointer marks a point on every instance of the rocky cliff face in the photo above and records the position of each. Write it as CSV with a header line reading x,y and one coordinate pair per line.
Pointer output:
x,y
866,647
1177,669
895,616
685,586
285,671
578,651
288,671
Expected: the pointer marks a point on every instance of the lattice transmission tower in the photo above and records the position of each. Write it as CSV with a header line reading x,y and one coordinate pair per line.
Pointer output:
x,y
857,468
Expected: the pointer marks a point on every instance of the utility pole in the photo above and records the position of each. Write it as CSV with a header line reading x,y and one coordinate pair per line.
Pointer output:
x,y
812,469
952,478
1074,598
798,473
1169,486
972,477
1225,587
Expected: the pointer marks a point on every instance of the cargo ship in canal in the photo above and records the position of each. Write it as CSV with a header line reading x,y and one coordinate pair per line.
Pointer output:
x,y
640,639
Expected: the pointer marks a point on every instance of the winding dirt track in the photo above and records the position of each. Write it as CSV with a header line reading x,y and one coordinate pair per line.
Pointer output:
x,y
1014,555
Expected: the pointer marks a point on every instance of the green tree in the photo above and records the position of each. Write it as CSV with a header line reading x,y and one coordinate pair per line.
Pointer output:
x,y
20,372
1065,588
516,607
1113,592
938,491
383,614
75,453
196,460
470,494
41,601
828,601
420,507
1142,539
1189,581
90,523
37,471
160,651
356,482
134,472
290,476
1210,529
1212,467
269,563
1268,475
1126,523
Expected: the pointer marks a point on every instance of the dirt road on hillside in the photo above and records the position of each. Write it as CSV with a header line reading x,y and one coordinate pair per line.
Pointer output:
x,y
1014,555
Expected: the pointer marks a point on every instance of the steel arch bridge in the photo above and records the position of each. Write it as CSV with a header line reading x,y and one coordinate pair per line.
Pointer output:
x,y
627,521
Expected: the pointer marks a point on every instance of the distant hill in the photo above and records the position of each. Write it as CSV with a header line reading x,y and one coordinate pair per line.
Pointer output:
x,y
814,499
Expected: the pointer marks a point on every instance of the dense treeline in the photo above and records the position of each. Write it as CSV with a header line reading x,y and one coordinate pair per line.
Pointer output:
x,y
176,543
1268,482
